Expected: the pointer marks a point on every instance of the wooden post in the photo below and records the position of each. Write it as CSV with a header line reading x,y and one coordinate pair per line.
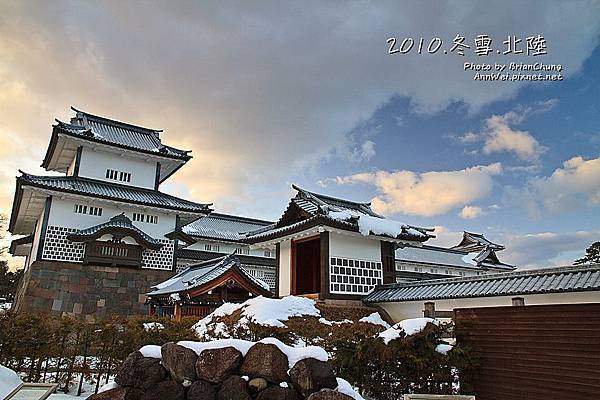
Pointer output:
x,y
518,301
177,312
429,311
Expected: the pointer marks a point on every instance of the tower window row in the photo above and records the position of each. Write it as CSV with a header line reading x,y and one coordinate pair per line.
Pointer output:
x,y
118,175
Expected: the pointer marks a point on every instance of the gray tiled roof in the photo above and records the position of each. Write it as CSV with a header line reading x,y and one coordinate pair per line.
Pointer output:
x,y
112,191
201,273
118,133
545,280
315,203
307,209
224,227
118,221
446,257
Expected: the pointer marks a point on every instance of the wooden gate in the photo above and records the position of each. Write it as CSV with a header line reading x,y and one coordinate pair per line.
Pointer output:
x,y
534,352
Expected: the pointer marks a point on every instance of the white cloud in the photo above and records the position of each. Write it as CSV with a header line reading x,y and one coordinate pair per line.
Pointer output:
x,y
470,212
574,185
258,92
429,193
499,134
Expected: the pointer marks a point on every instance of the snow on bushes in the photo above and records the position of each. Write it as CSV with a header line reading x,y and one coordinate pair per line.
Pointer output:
x,y
263,314
408,327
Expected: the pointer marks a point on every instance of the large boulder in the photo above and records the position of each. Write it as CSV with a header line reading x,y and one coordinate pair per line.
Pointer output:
x,y
140,372
234,388
120,393
179,361
328,394
265,361
278,393
311,375
165,390
215,365
202,390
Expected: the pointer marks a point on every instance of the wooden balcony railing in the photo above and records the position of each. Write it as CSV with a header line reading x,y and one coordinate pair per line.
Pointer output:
x,y
113,254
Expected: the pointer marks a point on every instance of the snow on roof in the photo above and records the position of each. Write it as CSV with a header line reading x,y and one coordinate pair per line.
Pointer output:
x,y
201,273
370,225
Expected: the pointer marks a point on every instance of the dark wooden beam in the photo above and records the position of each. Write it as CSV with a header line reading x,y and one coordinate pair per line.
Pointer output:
x,y
324,265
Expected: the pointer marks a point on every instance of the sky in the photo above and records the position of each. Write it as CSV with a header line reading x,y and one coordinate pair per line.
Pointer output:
x,y
267,94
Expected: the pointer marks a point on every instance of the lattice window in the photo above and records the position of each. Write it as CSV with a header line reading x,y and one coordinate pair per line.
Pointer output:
x,y
161,259
265,274
349,276
58,248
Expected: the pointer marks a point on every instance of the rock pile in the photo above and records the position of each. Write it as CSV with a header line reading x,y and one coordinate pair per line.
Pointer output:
x,y
262,372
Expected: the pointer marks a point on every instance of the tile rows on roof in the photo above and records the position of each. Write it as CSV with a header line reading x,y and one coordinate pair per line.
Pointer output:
x,y
113,191
546,280
224,227
119,133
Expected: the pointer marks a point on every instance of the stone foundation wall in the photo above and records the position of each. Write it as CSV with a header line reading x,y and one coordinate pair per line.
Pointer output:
x,y
86,291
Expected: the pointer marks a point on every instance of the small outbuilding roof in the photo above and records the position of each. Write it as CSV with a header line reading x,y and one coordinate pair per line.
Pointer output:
x,y
538,281
204,273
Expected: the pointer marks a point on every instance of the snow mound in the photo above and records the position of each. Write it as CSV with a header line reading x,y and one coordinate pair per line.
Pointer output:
x,y
374,319
347,389
443,348
409,326
9,381
151,351
153,326
325,321
263,311
296,354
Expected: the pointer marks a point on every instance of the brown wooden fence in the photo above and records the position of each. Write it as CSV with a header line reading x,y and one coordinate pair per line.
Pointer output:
x,y
534,352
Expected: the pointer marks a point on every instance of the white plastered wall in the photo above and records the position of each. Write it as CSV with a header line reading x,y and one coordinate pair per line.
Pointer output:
x,y
355,247
94,164
285,268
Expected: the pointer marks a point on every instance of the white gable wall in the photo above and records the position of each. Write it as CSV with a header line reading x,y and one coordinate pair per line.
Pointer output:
x,y
355,247
94,164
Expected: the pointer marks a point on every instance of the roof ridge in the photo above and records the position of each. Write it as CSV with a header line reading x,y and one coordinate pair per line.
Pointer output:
x,y
239,217
138,128
298,188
